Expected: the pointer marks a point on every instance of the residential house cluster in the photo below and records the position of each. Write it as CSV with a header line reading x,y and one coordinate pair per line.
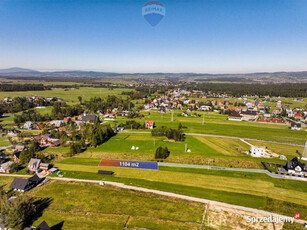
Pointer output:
x,y
47,141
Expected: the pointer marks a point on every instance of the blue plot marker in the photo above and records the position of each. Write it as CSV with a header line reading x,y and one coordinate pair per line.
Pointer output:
x,y
153,12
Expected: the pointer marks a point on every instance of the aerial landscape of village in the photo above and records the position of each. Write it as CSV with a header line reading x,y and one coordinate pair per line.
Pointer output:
x,y
147,115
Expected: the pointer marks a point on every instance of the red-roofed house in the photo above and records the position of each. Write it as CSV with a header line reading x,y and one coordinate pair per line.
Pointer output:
x,y
149,124
66,119
298,116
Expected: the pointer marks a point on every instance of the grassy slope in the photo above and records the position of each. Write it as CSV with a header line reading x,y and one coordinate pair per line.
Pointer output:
x,y
94,207
217,124
70,95
252,190
204,150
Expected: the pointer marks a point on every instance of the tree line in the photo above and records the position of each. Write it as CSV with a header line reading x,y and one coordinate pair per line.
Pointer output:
x,y
23,87
163,131
21,103
98,103
283,90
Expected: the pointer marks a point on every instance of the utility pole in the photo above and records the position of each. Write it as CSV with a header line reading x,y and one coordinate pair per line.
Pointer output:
x,y
185,147
172,119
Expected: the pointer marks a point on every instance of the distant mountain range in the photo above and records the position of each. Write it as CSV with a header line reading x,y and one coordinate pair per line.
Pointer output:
x,y
18,70
275,77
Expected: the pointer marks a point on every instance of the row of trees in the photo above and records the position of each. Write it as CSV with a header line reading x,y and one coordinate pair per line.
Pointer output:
x,y
284,90
23,87
61,110
96,134
175,134
132,124
98,103
31,115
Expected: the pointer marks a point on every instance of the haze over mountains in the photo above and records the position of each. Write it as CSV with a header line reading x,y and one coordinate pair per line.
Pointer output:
x,y
275,77
18,70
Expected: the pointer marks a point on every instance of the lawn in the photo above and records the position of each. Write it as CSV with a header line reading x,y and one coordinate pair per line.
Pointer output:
x,y
123,142
204,150
221,183
68,95
93,201
112,207
246,189
217,124
4,141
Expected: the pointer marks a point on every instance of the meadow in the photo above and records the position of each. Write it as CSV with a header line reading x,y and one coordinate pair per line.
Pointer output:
x,y
68,95
91,206
248,189
217,124
217,151
4,141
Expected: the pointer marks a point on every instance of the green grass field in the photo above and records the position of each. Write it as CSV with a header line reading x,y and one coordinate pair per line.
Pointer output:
x,y
4,141
91,206
70,95
215,151
217,124
247,189
77,204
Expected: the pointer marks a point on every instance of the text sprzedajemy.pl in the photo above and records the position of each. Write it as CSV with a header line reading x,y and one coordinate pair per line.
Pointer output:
x,y
270,219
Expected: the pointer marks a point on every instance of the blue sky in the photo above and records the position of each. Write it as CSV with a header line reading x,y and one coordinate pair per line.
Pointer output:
x,y
209,36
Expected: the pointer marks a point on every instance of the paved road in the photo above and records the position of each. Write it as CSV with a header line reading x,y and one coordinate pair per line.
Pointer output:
x,y
211,167
229,137
233,169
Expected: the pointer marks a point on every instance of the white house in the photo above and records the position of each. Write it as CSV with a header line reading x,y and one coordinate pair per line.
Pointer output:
x,y
28,125
205,108
257,151
5,167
